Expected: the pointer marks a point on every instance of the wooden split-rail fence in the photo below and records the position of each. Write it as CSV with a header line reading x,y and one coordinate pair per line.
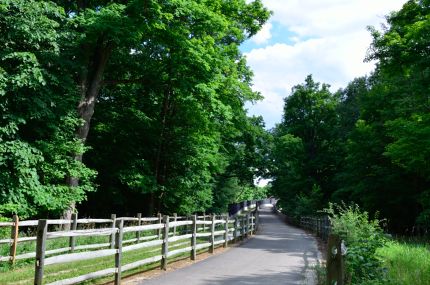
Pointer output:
x,y
336,249
318,225
198,232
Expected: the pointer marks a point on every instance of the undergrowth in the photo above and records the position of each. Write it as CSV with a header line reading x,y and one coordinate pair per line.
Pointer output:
x,y
372,258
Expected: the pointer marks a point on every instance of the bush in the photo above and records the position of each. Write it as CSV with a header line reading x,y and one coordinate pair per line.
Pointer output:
x,y
362,236
302,204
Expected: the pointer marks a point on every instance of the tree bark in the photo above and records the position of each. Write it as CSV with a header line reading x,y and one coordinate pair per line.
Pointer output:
x,y
160,163
90,83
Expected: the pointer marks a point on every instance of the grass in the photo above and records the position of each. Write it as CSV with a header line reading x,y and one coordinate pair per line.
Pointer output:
x,y
23,272
406,263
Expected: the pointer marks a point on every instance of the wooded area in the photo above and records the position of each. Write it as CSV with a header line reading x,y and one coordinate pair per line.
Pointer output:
x,y
369,142
108,106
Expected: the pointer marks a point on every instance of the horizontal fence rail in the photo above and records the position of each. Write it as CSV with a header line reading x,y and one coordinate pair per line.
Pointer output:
x,y
336,249
164,237
320,226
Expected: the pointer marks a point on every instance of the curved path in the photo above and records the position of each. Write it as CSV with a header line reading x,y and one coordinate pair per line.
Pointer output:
x,y
278,254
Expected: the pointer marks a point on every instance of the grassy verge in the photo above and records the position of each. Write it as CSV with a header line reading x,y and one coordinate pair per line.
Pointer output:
x,y
24,274
406,263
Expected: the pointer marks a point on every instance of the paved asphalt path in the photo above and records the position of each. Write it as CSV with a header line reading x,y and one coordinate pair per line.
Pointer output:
x,y
278,254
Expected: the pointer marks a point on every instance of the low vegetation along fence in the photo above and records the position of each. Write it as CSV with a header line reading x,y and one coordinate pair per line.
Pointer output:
x,y
336,249
169,236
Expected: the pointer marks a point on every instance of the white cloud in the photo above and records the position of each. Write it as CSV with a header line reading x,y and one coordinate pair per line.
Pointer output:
x,y
264,35
330,17
330,41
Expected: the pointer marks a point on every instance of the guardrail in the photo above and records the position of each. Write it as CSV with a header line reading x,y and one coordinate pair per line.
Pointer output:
x,y
173,235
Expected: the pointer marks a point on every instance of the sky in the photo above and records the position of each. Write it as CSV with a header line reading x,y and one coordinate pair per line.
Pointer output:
x,y
326,38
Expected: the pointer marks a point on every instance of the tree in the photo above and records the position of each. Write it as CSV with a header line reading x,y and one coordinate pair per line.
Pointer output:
x,y
385,166
36,126
173,66
305,151
182,94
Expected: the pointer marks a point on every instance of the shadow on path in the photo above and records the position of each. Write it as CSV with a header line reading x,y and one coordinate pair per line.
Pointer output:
x,y
278,254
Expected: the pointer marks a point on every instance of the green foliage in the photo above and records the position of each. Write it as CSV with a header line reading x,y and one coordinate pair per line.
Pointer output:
x,y
4,231
387,150
170,85
363,236
305,204
305,149
177,127
37,124
411,138
231,190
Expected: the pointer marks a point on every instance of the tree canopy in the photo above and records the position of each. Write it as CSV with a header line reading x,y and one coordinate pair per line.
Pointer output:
x,y
138,104
369,142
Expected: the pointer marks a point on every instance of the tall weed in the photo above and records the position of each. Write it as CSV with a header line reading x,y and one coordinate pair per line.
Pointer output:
x,y
362,236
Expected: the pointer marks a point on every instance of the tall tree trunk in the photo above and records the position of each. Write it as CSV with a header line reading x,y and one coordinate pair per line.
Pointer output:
x,y
90,84
159,162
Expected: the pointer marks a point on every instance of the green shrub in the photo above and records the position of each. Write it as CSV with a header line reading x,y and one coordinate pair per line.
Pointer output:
x,y
4,231
303,204
362,236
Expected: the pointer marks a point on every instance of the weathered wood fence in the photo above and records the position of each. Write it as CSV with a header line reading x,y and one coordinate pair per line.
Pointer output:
x,y
336,250
198,232
320,226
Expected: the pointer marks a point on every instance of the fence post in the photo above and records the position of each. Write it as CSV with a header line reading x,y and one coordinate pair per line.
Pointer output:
x,y
257,219
226,231
242,227
139,223
112,236
252,222
165,245
118,254
335,262
14,237
326,229
175,218
247,224
315,225
160,220
42,230
319,222
74,226
212,248
194,239
204,220
236,226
